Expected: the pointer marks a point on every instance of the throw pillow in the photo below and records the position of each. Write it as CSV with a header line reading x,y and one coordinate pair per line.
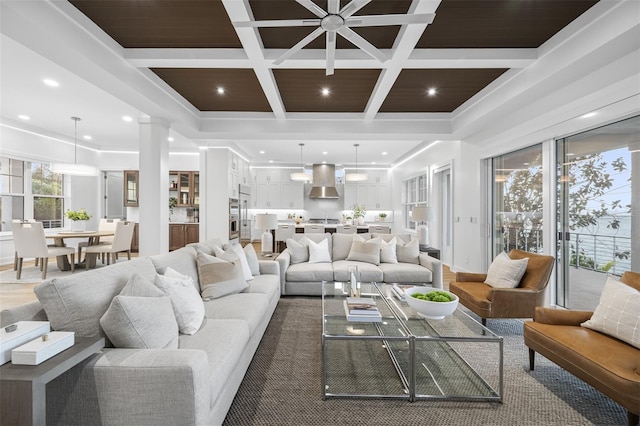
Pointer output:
x,y
252,259
617,313
141,323
388,251
319,252
187,303
365,251
299,251
141,287
505,272
237,250
408,252
219,277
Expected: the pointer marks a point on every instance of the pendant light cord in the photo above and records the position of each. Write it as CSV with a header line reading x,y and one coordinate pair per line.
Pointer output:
x,y
75,139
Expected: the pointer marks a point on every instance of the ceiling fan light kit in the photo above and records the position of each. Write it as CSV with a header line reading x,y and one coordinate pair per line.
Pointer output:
x,y
338,21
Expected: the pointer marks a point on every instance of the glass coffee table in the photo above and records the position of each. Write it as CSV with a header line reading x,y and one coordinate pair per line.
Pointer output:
x,y
405,356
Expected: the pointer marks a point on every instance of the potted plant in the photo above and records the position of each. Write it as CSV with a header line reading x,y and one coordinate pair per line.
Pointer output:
x,y
359,211
383,216
78,219
173,201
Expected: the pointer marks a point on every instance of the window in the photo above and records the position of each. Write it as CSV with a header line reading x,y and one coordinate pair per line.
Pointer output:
x,y
47,190
414,194
11,191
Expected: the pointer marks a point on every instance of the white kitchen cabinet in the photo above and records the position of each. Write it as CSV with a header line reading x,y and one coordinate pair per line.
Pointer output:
x,y
268,195
291,195
374,193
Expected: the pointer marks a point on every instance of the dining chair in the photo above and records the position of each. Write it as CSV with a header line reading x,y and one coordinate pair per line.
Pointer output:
x,y
283,232
122,237
29,241
346,229
106,225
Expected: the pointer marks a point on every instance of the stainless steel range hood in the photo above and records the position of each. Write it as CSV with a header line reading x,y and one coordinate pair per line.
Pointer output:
x,y
324,181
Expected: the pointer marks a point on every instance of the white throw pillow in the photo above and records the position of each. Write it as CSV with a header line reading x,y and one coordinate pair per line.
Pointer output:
x,y
237,249
187,303
220,276
388,251
299,251
252,259
319,252
408,252
505,272
617,313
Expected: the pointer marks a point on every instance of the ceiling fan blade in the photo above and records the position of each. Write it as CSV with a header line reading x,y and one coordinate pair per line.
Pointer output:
x,y
363,44
302,43
280,23
353,7
381,20
313,8
331,51
333,6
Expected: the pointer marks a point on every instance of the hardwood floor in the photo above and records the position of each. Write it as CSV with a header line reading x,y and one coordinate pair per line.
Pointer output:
x,y
12,295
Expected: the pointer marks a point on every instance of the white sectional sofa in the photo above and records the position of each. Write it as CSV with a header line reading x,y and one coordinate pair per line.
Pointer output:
x,y
192,385
305,277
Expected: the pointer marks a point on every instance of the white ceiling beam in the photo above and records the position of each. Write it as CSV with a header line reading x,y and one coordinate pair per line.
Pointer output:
x,y
239,10
345,58
405,43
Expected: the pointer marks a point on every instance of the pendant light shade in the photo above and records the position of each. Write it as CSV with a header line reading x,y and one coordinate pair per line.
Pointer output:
x,y
356,177
74,168
301,176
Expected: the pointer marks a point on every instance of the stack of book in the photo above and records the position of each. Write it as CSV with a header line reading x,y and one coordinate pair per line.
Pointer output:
x,y
361,309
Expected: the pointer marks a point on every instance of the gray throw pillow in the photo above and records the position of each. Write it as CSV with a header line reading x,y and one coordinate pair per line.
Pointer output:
x,y
252,259
141,287
409,252
141,323
365,251
298,250
219,276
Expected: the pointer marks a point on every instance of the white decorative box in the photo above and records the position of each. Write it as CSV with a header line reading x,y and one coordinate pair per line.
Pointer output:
x,y
25,332
39,350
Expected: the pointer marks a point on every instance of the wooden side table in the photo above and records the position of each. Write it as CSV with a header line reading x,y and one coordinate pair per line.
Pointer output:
x,y
23,388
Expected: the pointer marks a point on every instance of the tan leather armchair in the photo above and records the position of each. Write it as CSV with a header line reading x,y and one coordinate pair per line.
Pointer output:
x,y
519,302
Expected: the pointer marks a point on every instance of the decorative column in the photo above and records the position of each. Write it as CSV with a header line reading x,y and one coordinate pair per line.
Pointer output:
x,y
153,164
634,149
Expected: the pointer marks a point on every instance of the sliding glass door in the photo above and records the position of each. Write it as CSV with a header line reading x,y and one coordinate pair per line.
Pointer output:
x,y
598,191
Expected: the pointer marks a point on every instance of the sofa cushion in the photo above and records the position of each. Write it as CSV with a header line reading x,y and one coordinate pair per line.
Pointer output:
x,y
319,252
388,251
265,284
405,273
237,250
408,252
617,313
219,277
505,272
368,271
250,307
77,302
141,323
298,250
342,245
252,259
186,301
365,251
309,272
207,247
182,260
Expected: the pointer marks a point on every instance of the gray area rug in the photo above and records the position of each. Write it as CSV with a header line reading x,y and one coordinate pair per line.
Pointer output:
x,y
283,386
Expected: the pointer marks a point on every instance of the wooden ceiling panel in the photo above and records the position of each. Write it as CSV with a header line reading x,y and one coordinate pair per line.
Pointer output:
x,y
301,90
284,38
163,23
499,23
453,86
242,91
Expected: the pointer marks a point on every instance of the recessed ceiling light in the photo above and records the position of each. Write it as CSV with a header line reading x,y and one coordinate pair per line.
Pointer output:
x,y
373,162
170,139
588,115
324,162
325,91
525,164
324,152
87,137
431,91
261,152
51,83
271,161
24,117
220,90
127,118
384,153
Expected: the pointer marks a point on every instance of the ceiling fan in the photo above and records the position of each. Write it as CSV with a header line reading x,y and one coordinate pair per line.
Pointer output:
x,y
339,21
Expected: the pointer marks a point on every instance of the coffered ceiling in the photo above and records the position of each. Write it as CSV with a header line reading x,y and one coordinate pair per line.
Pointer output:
x,y
199,53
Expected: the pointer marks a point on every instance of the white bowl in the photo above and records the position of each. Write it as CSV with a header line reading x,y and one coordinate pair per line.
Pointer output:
x,y
428,309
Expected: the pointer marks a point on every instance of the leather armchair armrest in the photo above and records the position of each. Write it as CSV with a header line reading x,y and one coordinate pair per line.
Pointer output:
x,y
554,316
507,295
470,277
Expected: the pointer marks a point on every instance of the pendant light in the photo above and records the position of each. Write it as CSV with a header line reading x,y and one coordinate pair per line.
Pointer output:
x,y
74,168
301,176
356,177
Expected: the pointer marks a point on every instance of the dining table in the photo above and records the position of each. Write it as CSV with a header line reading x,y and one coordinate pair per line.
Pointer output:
x,y
92,237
